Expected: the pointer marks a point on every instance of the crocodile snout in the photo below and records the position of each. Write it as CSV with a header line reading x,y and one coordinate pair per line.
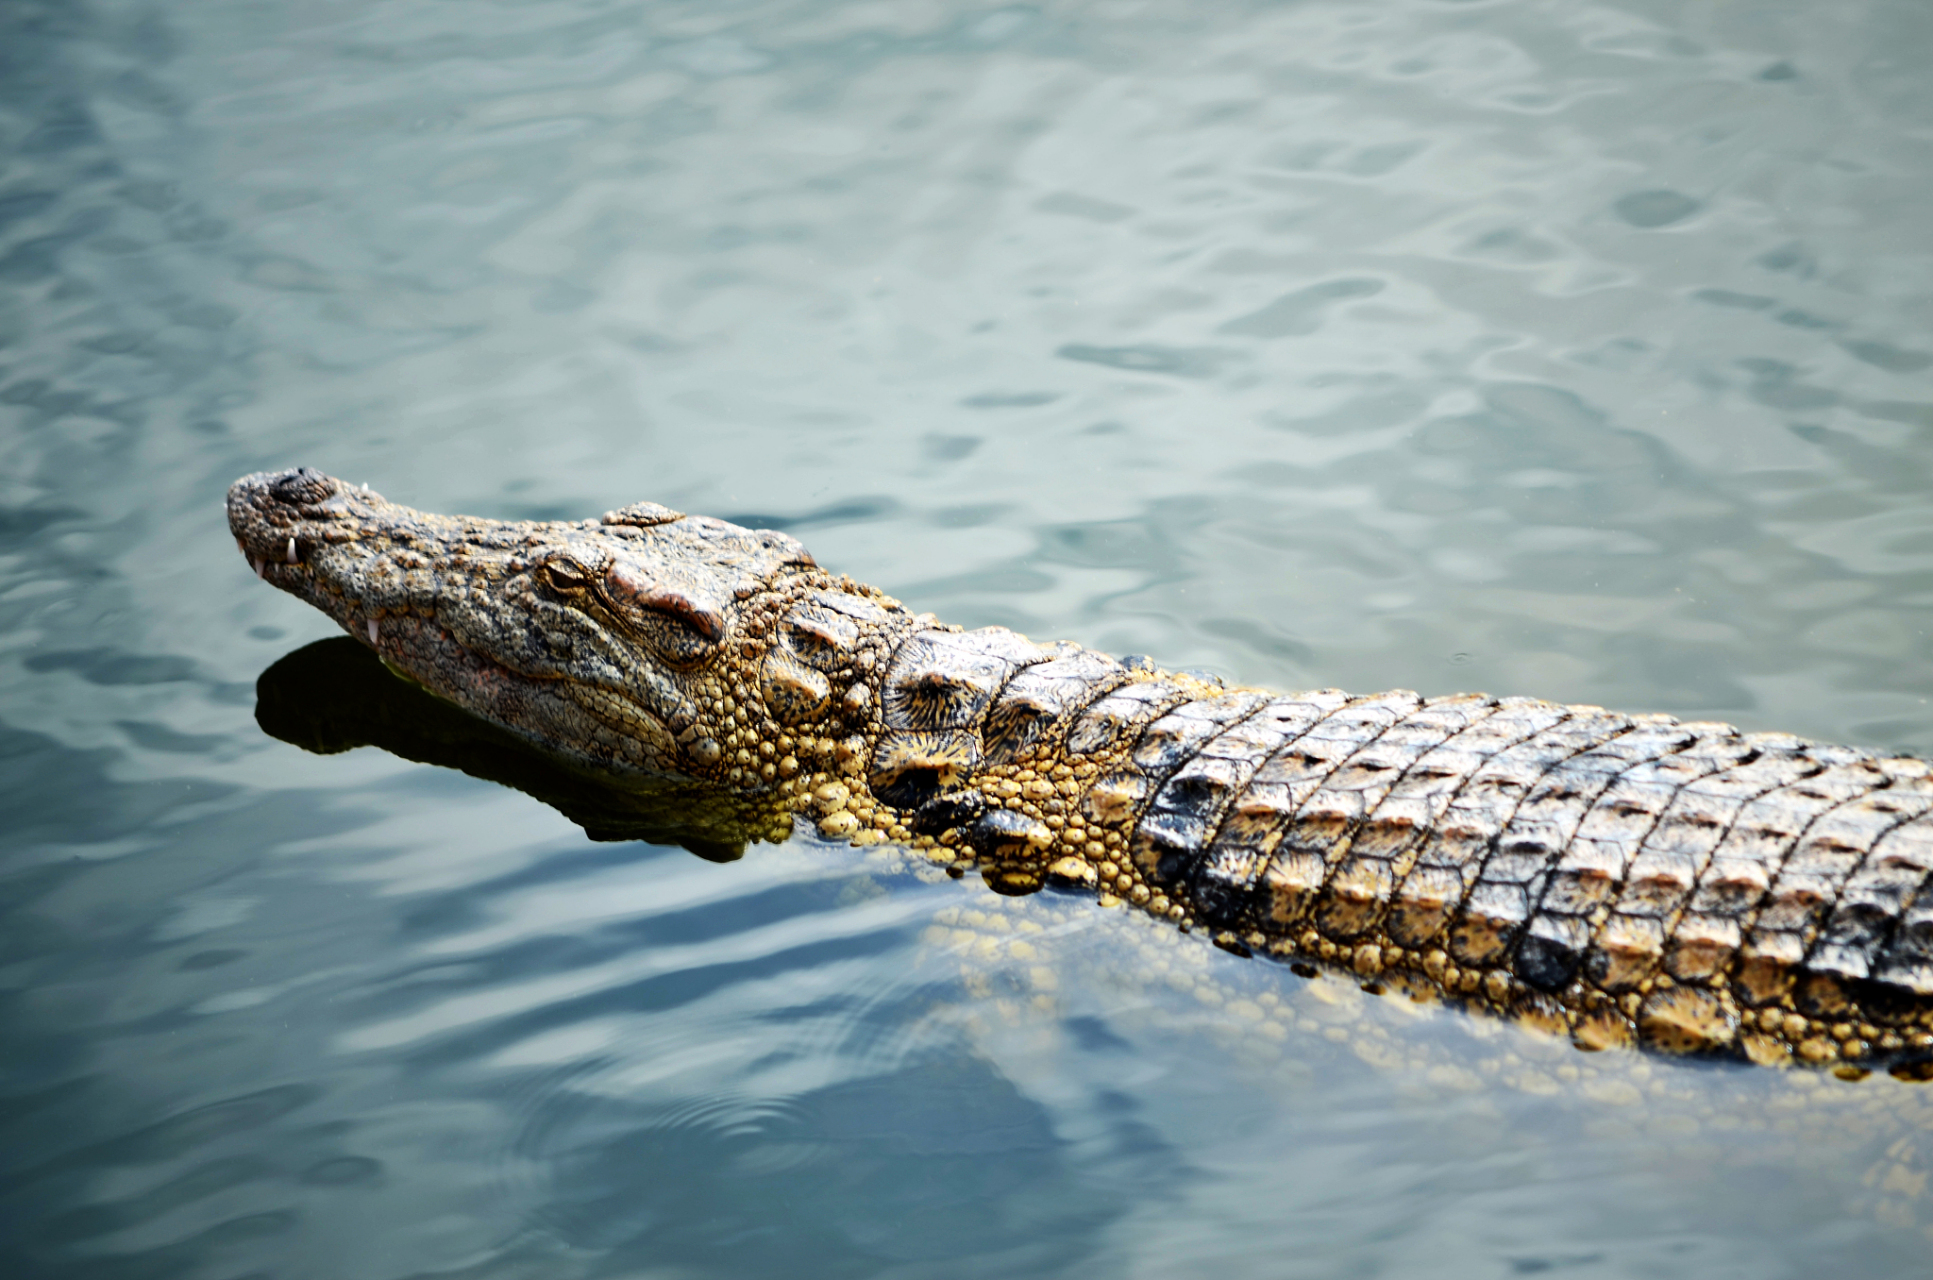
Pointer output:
x,y
316,537
275,515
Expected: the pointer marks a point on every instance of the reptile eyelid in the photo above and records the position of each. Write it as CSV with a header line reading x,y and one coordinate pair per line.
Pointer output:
x,y
627,587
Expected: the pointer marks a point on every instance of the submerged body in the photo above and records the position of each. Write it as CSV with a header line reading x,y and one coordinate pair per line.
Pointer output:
x,y
1621,879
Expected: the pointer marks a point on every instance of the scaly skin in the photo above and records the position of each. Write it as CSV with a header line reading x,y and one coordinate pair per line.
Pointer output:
x,y
1619,879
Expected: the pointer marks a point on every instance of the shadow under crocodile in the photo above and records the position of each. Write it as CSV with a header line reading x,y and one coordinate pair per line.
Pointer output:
x,y
335,695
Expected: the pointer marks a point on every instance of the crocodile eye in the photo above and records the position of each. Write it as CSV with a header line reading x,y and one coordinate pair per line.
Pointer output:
x,y
566,575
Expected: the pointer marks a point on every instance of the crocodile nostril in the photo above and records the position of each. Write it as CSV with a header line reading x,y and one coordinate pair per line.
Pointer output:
x,y
302,487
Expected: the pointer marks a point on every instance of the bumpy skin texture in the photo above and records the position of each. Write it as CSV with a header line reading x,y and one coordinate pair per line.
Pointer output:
x,y
1621,879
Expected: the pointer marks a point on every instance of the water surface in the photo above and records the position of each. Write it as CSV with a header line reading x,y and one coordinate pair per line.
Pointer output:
x,y
1582,350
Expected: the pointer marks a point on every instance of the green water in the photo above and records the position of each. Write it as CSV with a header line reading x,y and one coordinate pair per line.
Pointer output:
x,y
1582,350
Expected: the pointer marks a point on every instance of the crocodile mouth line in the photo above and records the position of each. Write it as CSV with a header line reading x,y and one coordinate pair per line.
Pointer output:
x,y
298,577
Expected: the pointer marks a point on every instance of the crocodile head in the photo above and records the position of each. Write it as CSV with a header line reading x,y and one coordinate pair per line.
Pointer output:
x,y
611,639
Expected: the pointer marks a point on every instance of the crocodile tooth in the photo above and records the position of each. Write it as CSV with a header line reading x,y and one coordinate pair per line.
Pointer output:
x,y
372,631
260,566
291,550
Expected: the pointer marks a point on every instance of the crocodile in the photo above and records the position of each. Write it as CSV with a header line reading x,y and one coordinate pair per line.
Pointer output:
x,y
1624,880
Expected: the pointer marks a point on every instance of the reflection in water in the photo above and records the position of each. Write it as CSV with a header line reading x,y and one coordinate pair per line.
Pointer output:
x,y
335,695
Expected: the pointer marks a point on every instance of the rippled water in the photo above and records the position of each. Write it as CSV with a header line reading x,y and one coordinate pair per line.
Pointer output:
x,y
1573,349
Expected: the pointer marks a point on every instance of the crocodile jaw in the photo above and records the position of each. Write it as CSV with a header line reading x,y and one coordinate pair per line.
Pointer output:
x,y
596,638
